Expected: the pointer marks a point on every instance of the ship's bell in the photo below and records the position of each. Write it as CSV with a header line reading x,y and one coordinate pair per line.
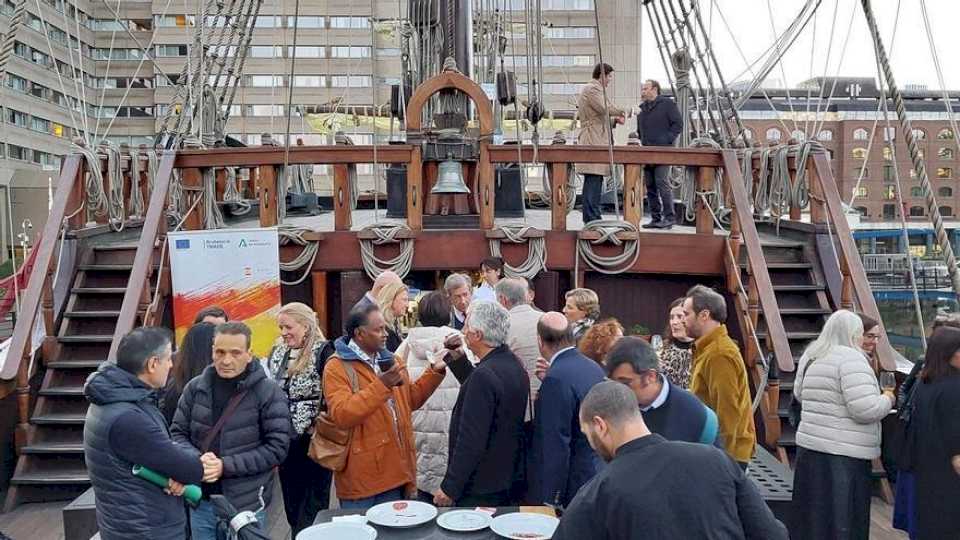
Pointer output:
x,y
450,178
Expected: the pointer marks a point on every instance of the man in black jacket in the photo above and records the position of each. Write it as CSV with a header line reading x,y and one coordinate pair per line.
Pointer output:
x,y
486,430
254,434
124,428
659,123
654,488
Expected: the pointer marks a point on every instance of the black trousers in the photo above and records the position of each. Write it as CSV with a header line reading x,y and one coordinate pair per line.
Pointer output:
x,y
305,485
659,193
591,197
500,498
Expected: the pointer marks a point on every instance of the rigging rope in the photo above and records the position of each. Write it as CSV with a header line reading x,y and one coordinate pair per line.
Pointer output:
x,y
536,260
290,234
386,233
612,264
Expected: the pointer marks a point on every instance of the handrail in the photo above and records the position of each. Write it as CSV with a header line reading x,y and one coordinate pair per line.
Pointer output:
x,y
758,266
154,225
29,306
851,266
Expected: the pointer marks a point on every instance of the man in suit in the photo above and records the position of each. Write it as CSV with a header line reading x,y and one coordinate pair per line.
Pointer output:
x,y
522,339
565,460
658,124
459,291
486,429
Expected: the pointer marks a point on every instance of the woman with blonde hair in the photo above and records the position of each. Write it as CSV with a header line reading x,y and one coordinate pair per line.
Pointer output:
x,y
582,309
296,363
839,433
393,299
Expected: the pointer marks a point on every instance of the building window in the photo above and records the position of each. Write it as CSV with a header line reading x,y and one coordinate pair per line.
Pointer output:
x,y
773,134
18,152
569,32
945,192
860,134
174,21
919,134
946,211
916,191
889,193
887,153
352,81
388,53
267,21
263,110
889,174
916,211
889,134
945,153
171,51
307,22
825,135
264,81
889,211
747,134
17,118
798,136
862,210
58,130
306,52
309,81
944,172
945,134
343,51
856,153
349,22
262,51
860,191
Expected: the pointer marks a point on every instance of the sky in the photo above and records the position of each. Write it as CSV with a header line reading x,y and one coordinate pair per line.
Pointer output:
x,y
750,21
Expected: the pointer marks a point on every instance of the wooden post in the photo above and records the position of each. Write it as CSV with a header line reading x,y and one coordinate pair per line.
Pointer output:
x,y
818,212
414,190
193,186
342,211
102,161
268,196
485,185
220,183
705,182
144,179
632,194
558,196
76,198
319,281
794,209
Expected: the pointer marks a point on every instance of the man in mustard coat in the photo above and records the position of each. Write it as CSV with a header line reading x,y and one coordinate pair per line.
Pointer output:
x,y
597,120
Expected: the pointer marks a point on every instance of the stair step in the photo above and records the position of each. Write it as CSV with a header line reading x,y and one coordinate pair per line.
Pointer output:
x,y
805,311
797,288
784,265
53,448
85,339
75,476
92,314
106,267
115,247
98,290
59,419
62,391
75,364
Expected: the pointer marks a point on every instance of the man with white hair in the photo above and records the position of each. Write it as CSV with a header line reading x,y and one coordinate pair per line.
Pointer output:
x,y
522,338
459,291
487,424
369,298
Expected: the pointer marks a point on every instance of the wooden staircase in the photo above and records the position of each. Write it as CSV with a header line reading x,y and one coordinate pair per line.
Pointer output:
x,y
51,464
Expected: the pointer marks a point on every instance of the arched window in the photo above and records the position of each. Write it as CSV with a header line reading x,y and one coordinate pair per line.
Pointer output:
x,y
919,134
945,134
916,211
945,153
858,171
773,134
859,153
946,211
887,153
862,210
798,136
945,192
944,173
825,135
860,192
916,191
860,134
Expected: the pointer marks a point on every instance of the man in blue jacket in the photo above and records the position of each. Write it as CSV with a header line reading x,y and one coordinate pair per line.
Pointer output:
x,y
659,123
124,428
566,460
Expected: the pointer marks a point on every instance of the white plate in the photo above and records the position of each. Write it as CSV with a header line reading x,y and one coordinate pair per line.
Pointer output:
x,y
413,513
464,520
524,523
338,531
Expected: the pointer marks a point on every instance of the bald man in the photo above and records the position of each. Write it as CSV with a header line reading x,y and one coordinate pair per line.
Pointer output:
x,y
369,298
563,460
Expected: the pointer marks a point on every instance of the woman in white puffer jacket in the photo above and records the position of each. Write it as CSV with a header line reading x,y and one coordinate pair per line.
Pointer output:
x,y
431,422
839,433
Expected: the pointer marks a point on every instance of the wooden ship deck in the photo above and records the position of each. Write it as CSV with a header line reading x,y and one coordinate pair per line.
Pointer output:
x,y
90,285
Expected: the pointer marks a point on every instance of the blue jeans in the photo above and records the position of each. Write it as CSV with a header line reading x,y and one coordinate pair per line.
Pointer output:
x,y
363,504
204,520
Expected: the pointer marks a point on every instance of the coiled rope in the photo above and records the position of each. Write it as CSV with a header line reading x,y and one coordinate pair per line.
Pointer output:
x,y
688,186
536,260
213,218
290,234
116,206
614,264
386,233
136,194
97,202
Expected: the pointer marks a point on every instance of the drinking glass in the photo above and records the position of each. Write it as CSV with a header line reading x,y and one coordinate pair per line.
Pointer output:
x,y
888,381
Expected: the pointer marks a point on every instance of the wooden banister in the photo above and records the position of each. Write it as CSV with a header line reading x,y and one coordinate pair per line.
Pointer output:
x,y
154,228
855,284
757,266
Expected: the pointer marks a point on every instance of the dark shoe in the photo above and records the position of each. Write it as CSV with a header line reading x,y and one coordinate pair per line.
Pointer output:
x,y
654,224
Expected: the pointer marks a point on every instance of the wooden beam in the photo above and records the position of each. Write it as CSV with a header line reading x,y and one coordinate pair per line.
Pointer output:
x,y
75,165
558,196
485,185
192,180
635,155
342,209
267,189
299,155
632,194
319,282
706,179
415,190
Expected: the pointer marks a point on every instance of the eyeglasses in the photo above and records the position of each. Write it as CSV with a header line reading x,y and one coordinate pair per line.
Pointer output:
x,y
871,337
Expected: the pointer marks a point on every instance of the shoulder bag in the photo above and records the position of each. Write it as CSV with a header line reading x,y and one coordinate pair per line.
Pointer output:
x,y
330,444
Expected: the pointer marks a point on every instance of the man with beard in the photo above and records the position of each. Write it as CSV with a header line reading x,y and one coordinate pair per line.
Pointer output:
x,y
654,488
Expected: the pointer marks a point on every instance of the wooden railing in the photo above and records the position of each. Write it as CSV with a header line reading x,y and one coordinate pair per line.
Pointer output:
x,y
137,298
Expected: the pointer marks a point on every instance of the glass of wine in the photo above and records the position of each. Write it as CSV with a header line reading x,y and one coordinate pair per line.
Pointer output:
x,y
888,381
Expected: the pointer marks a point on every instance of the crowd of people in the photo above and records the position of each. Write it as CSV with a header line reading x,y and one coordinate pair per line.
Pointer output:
x,y
496,403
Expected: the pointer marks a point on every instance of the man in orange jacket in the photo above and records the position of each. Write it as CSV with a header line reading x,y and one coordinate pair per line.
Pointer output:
x,y
381,460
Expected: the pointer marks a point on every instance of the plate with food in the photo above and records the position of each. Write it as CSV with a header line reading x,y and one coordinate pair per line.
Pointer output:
x,y
338,530
401,514
464,520
525,526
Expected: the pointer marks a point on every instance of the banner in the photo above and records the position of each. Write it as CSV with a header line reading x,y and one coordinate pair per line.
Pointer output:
x,y
236,269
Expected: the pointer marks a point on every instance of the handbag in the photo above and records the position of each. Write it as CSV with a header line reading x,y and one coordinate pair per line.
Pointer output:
x,y
329,443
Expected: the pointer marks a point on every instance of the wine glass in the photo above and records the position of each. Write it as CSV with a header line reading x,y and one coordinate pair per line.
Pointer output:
x,y
888,381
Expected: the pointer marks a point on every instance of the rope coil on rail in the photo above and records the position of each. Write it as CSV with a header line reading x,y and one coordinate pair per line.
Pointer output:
x,y
290,234
386,233
608,229
136,194
536,260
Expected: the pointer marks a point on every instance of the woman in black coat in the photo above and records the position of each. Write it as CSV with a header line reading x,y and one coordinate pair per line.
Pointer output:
x,y
935,434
